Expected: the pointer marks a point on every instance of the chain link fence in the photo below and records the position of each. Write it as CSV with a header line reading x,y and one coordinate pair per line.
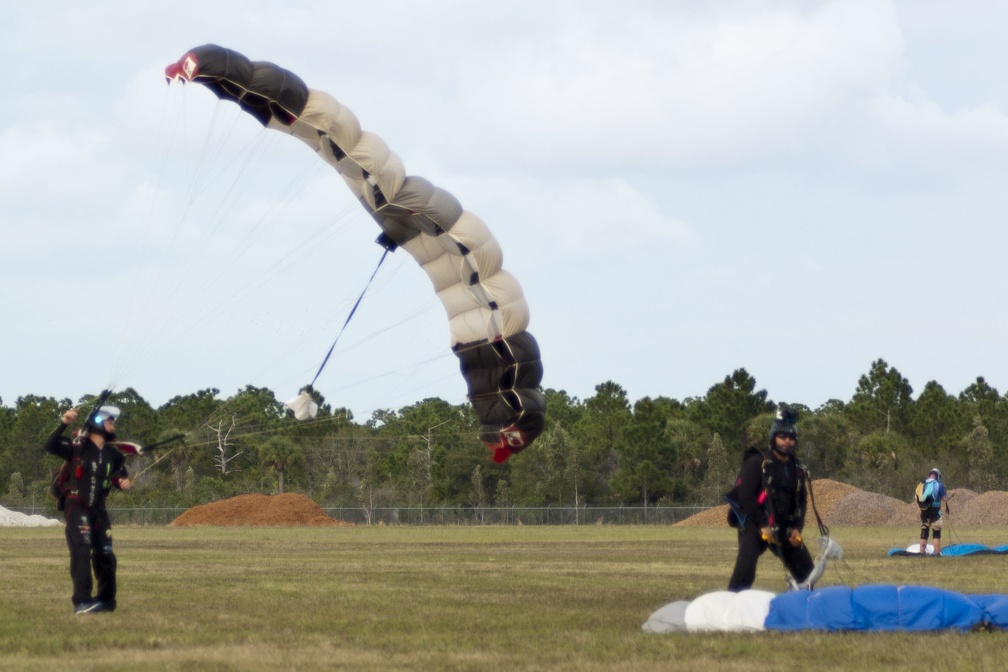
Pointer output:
x,y
439,515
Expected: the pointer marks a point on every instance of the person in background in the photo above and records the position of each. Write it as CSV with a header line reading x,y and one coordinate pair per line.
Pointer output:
x,y
95,467
931,516
772,494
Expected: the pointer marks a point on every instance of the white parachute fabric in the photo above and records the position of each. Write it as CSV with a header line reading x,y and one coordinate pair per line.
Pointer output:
x,y
670,618
915,548
828,550
726,611
721,611
302,406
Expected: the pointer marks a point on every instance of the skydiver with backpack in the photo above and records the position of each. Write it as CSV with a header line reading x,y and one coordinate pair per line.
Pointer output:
x,y
94,468
768,504
930,493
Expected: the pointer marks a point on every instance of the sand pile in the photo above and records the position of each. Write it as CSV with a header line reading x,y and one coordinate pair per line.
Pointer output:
x,y
990,508
845,505
10,518
258,510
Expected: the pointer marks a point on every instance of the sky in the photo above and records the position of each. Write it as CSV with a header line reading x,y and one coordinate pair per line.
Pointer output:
x,y
682,188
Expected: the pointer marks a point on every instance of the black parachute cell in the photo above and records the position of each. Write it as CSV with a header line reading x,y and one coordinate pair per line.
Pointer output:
x,y
503,378
261,89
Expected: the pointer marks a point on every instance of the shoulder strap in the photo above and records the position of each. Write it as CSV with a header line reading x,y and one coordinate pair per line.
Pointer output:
x,y
76,459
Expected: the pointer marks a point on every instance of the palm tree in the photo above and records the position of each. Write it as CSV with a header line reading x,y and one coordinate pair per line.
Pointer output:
x,y
280,453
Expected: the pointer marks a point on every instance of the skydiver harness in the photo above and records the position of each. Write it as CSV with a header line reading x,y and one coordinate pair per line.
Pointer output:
x,y
65,478
828,549
925,494
767,499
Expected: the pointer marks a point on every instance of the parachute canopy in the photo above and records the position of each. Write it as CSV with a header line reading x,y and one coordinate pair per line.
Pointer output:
x,y
955,550
837,608
487,312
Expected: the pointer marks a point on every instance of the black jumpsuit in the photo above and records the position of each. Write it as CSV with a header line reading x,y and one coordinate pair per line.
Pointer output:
x,y
88,528
785,501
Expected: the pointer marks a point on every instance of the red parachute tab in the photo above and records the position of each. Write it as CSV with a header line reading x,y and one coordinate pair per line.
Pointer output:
x,y
512,440
186,68
500,455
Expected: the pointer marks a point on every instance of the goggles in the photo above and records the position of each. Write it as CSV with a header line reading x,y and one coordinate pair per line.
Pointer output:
x,y
105,413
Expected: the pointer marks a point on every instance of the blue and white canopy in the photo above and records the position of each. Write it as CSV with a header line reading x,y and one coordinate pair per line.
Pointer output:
x,y
834,609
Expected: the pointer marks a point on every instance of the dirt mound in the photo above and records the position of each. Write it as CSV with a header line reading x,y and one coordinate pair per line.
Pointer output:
x,y
845,505
990,508
713,517
258,510
867,508
827,493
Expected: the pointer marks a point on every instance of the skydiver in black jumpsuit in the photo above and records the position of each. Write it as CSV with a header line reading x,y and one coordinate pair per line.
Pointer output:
x,y
772,497
95,469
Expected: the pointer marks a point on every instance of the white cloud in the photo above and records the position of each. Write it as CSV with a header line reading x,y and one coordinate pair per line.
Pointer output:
x,y
672,93
645,171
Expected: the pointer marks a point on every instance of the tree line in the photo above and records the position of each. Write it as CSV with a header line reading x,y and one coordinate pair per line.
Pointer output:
x,y
601,450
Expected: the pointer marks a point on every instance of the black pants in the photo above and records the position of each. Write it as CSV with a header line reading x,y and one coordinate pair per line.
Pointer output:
x,y
89,538
798,560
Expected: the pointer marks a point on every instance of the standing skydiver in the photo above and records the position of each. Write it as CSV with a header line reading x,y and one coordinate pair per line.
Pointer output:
x,y
931,492
95,467
771,495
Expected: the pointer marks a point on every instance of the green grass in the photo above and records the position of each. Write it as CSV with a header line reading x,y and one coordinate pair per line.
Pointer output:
x,y
449,598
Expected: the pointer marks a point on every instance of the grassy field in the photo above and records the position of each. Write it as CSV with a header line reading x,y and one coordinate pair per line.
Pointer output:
x,y
450,598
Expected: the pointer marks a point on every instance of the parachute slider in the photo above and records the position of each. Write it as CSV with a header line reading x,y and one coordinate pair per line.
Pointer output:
x,y
303,406
386,241
828,550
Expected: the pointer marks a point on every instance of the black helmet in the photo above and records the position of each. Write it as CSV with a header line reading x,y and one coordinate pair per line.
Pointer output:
x,y
784,423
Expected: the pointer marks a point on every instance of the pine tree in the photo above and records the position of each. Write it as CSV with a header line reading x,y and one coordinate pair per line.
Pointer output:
x,y
980,457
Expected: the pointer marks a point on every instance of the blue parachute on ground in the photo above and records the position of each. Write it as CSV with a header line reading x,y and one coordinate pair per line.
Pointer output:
x,y
834,609
886,607
955,550
487,311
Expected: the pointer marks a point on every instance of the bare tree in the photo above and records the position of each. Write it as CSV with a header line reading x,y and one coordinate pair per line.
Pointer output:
x,y
421,465
222,459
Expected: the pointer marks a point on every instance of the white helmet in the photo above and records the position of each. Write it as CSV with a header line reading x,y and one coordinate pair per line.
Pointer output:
x,y
105,413
96,423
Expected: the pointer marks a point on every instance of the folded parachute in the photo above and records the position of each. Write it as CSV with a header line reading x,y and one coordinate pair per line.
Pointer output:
x,y
487,311
955,550
834,609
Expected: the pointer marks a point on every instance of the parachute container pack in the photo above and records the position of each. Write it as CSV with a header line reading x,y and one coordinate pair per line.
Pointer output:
x,y
487,312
